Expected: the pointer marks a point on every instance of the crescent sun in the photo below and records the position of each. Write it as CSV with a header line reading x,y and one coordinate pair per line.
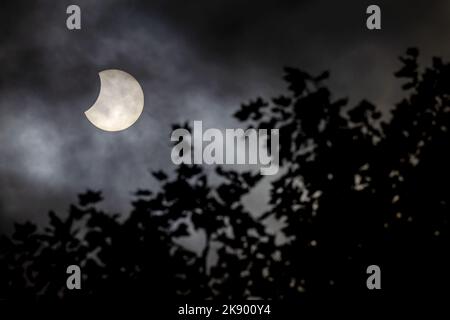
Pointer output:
x,y
120,101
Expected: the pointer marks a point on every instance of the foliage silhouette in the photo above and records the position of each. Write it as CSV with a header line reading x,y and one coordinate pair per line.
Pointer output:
x,y
354,190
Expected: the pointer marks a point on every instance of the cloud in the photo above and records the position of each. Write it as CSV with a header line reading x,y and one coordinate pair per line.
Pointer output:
x,y
196,60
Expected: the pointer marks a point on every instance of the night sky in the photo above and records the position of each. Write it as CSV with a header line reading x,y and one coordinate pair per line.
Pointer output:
x,y
196,60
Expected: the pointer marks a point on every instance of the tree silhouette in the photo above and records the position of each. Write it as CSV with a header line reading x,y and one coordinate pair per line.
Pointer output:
x,y
359,191
354,190
139,256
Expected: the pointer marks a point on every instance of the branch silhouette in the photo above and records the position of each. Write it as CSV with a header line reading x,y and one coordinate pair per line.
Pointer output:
x,y
355,189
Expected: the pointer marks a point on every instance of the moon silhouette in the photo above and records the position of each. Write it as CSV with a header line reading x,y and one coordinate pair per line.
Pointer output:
x,y
119,103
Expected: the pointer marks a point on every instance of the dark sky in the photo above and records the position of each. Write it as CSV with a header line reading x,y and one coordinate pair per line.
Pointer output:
x,y
196,60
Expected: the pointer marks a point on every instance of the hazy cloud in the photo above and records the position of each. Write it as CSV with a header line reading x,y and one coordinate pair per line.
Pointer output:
x,y
196,60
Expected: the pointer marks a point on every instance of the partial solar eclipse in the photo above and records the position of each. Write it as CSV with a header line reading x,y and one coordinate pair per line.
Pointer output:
x,y
119,103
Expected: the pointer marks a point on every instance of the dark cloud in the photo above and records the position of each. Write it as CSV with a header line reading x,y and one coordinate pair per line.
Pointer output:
x,y
194,59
